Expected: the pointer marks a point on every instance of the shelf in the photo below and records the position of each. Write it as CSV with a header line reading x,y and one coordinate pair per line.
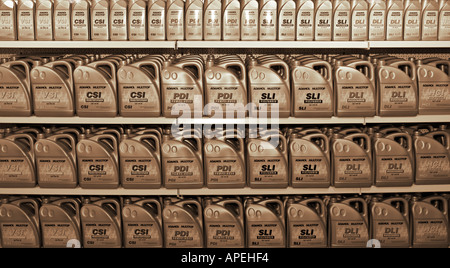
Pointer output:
x,y
409,44
273,44
87,120
81,191
409,119
87,44
281,121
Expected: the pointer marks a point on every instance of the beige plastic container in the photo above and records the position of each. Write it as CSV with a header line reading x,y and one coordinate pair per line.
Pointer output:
x,y
44,20
8,13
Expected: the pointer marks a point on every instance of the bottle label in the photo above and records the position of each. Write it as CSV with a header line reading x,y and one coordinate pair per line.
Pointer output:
x,y
25,22
80,29
44,26
100,29
359,25
231,24
137,24
305,22
377,21
156,24
286,27
249,29
194,24
7,25
394,26
412,25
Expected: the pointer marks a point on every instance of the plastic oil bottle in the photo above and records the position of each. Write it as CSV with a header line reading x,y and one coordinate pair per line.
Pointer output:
x,y
377,20
8,13
156,14
265,223
175,20
224,222
341,20
231,12
80,20
194,20
44,20
444,20
430,16
101,223
306,222
286,20
360,20
183,223
26,10
304,20
61,20
19,223
118,20
394,20
60,221
137,20
323,20
100,20
268,20
212,20
249,20
142,223
412,21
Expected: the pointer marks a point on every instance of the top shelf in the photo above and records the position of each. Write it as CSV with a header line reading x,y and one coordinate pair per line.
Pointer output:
x,y
366,45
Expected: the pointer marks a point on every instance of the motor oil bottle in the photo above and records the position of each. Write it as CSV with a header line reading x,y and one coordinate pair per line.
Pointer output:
x,y
377,20
80,20
19,223
96,89
268,20
194,20
182,86
142,223
226,85
26,10
175,20
412,21
389,221
17,166
304,20
269,97
429,222
341,20
101,223
267,161
354,87
430,16
98,160
309,159
140,160
52,88
444,20
183,223
393,159
225,164
61,20
15,96
432,157
156,14
351,160
265,223
312,89
100,20
212,20
44,20
56,160
394,20
60,221
224,222
348,224
118,20
360,19
8,21
286,20
137,20
323,20
306,222
433,82
249,20
231,12
397,88
140,88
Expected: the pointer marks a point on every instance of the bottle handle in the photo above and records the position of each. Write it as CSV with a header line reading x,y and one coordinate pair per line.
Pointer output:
x,y
318,201
407,137
405,203
280,204
71,201
154,202
154,66
116,205
235,202
285,67
325,144
112,138
361,201
152,137
68,69
111,72
243,73
29,145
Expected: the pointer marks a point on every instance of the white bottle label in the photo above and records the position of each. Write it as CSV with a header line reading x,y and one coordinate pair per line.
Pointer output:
x,y
412,25
249,27
377,21
267,24
25,19
175,24
213,24
323,25
6,25
137,24
156,24
286,27
194,25
394,25
341,25
444,25
429,25
100,24
44,26
231,24
305,22
80,29
119,24
359,25
62,25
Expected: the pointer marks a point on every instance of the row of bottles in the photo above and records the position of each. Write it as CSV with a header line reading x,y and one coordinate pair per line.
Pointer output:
x,y
189,85
301,157
322,20
226,222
